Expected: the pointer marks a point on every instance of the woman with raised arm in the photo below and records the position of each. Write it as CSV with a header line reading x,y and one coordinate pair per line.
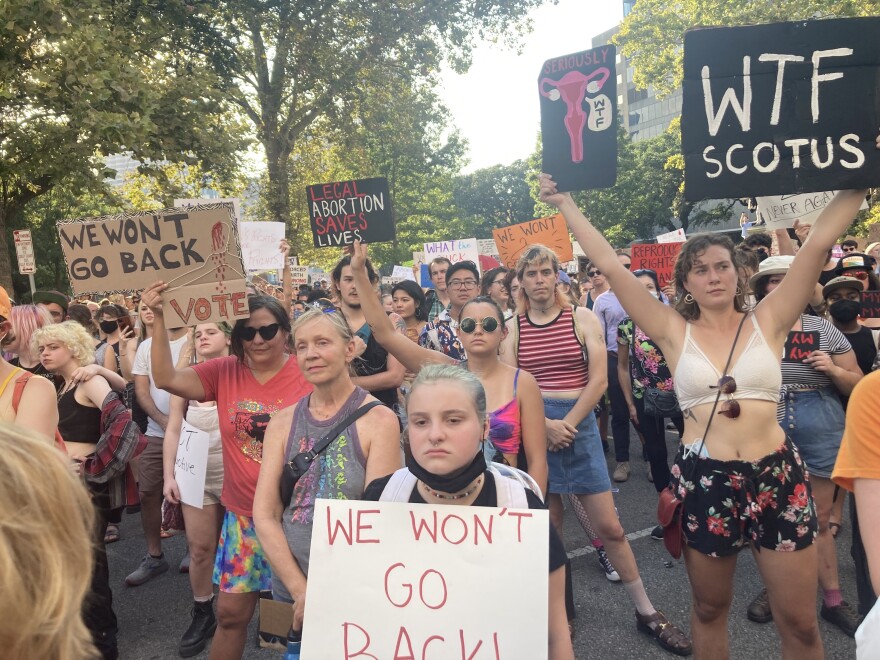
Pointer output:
x,y
743,483
517,415
249,386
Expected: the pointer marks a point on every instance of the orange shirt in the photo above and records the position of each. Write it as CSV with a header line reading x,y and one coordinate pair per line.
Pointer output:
x,y
859,455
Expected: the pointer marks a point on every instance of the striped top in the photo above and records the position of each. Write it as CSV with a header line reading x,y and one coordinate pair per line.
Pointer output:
x,y
552,353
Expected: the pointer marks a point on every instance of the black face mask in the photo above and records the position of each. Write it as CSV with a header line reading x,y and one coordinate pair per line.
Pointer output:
x,y
845,311
108,327
450,483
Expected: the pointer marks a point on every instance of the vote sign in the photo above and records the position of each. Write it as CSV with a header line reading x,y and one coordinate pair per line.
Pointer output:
x,y
345,211
781,108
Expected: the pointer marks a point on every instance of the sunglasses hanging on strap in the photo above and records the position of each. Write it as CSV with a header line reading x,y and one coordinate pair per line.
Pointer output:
x,y
669,507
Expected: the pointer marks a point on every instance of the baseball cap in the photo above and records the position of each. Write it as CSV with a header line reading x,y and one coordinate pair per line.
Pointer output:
x,y
48,297
563,278
855,261
841,283
5,304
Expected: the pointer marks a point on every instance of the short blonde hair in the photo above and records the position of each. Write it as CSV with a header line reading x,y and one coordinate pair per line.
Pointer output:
x,y
70,333
46,527
335,317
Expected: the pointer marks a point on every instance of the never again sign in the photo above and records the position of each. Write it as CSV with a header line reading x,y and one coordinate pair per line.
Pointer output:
x,y
195,251
781,108
347,211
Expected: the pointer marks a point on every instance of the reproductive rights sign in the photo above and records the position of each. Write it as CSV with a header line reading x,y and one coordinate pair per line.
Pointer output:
x,y
781,108
195,251
578,96
394,580
347,211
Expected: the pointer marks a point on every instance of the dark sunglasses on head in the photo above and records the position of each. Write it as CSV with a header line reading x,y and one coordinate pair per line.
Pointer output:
x,y
267,332
468,325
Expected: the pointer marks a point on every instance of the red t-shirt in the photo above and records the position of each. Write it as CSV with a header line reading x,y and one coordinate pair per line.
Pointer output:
x,y
245,408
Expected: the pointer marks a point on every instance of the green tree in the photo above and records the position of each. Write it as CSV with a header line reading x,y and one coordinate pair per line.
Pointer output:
x,y
291,62
652,35
82,79
493,197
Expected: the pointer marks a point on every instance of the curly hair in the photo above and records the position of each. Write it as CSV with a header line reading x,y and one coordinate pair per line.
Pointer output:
x,y
70,333
692,249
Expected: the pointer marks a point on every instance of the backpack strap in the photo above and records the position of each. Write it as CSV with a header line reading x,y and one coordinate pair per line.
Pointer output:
x,y
399,487
510,492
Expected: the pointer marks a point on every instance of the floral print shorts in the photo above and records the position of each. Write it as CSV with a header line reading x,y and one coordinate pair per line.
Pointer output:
x,y
728,504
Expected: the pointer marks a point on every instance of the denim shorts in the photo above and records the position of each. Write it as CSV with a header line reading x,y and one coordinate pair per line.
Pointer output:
x,y
814,421
580,468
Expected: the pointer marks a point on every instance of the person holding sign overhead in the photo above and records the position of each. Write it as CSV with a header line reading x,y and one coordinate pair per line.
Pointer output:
x,y
447,425
733,452
364,445
818,367
249,386
210,340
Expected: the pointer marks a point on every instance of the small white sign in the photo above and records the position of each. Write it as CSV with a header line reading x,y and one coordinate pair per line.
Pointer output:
x,y
191,464
677,236
780,211
487,246
424,581
24,250
260,245
402,273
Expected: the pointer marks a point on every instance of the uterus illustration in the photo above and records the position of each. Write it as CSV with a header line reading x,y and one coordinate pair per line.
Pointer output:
x,y
572,89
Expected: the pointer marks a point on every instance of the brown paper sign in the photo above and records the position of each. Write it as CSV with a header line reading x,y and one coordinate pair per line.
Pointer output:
x,y
195,251
552,231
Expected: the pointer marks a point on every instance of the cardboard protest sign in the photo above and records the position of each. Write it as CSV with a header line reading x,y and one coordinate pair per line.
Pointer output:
x,y
659,257
299,275
578,95
780,211
414,576
870,305
194,250
191,464
259,245
874,233
781,108
201,201
677,236
464,249
551,231
799,345
345,211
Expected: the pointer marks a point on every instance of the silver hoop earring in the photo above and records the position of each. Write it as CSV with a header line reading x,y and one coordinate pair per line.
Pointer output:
x,y
689,299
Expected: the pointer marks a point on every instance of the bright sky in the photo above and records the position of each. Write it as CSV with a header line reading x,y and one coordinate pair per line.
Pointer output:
x,y
495,105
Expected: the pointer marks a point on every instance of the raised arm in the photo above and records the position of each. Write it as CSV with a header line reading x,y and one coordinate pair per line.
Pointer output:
x,y
286,277
411,355
659,321
780,309
182,382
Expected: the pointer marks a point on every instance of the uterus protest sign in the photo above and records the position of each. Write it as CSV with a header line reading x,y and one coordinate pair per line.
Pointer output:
x,y
578,95
195,251
781,108
426,581
347,211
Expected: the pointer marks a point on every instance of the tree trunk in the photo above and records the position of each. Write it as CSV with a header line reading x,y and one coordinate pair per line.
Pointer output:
x,y
278,190
7,214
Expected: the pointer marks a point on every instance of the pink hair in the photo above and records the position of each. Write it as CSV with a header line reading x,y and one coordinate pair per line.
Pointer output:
x,y
26,320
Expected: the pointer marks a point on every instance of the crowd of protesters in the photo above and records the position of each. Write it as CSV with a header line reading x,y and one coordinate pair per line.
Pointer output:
x,y
516,374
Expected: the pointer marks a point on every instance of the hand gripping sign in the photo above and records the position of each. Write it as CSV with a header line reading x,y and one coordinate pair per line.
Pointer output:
x,y
195,251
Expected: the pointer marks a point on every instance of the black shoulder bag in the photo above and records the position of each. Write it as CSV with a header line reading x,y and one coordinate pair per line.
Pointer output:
x,y
669,506
300,464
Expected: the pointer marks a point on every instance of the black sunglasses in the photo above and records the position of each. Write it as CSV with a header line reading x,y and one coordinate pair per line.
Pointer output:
x,y
267,332
593,273
468,325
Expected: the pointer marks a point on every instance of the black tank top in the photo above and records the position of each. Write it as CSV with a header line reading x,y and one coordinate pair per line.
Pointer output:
x,y
374,360
76,422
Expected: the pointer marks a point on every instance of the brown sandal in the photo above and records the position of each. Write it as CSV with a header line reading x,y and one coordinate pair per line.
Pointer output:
x,y
668,636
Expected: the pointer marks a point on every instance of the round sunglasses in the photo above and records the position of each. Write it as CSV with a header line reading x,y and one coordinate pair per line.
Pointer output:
x,y
468,325
267,332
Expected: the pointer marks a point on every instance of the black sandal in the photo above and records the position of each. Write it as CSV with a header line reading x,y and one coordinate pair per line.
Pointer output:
x,y
668,636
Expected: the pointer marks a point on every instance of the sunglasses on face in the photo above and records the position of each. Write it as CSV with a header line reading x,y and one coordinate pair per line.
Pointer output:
x,y
848,249
859,275
593,273
731,408
267,332
468,325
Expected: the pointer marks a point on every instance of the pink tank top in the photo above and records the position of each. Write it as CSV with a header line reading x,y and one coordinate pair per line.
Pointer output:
x,y
552,353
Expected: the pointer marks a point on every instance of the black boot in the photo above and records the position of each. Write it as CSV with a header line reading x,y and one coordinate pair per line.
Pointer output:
x,y
202,628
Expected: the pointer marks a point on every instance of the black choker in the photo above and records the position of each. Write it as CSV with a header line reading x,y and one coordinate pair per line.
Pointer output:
x,y
450,483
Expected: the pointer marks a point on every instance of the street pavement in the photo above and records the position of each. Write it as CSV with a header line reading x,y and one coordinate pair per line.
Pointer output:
x,y
153,617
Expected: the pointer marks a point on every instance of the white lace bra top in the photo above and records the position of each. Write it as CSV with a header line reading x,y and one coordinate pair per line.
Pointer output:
x,y
757,372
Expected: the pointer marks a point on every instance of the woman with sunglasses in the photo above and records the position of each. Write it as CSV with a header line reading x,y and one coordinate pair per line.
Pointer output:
x,y
447,424
493,286
741,480
367,449
513,396
815,374
249,386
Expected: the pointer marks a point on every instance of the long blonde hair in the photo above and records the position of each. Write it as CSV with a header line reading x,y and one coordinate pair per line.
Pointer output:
x,y
46,525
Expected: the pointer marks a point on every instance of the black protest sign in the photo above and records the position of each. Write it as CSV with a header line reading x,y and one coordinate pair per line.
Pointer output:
x,y
870,305
781,108
799,345
578,95
347,211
